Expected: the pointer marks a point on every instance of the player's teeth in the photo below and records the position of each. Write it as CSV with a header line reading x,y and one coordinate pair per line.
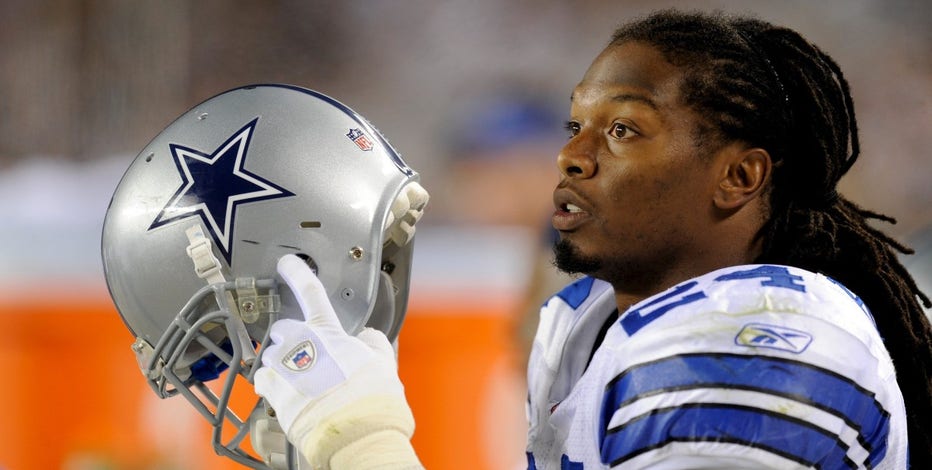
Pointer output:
x,y
572,208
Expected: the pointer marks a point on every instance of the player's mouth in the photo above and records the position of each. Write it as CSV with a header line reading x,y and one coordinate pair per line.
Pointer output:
x,y
569,213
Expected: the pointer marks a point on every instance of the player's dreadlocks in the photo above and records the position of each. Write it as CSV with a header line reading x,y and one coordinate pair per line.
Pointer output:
x,y
768,86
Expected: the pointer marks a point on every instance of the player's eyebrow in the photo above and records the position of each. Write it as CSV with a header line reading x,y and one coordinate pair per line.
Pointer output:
x,y
629,97
635,97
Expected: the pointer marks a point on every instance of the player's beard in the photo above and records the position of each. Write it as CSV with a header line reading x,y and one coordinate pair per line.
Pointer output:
x,y
568,259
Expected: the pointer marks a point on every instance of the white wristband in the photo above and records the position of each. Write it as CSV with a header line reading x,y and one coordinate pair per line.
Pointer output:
x,y
384,450
322,438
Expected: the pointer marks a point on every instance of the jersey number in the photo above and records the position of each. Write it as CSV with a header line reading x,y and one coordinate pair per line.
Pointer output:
x,y
773,276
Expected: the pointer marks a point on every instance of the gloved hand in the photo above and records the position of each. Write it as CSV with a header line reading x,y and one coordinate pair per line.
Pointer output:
x,y
332,391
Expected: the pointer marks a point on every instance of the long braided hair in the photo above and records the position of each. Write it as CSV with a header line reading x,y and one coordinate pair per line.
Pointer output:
x,y
768,86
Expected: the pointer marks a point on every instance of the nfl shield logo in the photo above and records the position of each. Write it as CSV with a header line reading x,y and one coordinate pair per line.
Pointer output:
x,y
301,357
360,139
301,360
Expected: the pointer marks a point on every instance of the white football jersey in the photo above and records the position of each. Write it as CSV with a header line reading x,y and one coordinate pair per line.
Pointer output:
x,y
756,366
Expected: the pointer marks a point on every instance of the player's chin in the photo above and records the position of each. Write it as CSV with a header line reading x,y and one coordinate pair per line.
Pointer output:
x,y
569,258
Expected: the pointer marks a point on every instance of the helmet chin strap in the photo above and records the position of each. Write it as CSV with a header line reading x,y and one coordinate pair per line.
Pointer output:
x,y
208,267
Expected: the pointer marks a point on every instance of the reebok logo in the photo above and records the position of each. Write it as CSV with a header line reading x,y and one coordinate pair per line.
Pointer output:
x,y
762,335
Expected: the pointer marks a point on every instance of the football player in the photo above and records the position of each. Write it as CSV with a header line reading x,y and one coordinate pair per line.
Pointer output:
x,y
735,310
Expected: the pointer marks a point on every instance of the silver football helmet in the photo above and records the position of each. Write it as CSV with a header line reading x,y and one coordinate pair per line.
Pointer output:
x,y
199,220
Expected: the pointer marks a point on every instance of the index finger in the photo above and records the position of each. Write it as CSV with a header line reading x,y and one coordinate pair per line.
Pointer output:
x,y
308,290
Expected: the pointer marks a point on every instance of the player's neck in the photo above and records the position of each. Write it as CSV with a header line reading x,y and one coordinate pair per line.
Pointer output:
x,y
651,284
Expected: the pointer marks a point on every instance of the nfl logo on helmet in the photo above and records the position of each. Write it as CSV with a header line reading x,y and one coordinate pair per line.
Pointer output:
x,y
360,139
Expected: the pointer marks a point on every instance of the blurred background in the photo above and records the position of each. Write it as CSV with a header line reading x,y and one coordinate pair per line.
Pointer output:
x,y
472,93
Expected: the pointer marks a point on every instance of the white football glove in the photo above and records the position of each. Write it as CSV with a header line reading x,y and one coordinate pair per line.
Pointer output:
x,y
337,397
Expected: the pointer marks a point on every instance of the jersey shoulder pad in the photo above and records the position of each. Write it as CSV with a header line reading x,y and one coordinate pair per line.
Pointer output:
x,y
784,363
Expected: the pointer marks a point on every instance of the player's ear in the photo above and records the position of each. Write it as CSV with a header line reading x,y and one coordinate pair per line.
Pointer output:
x,y
745,175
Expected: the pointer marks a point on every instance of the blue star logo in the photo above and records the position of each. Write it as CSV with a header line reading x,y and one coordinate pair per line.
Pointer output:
x,y
214,185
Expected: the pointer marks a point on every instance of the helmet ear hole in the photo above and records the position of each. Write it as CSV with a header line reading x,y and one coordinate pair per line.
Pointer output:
x,y
309,261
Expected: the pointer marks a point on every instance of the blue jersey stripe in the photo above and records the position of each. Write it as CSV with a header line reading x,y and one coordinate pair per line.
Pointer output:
x,y
531,465
576,293
806,383
788,437
567,464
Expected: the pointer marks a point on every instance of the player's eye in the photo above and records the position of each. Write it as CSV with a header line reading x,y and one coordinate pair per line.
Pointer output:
x,y
621,131
572,128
